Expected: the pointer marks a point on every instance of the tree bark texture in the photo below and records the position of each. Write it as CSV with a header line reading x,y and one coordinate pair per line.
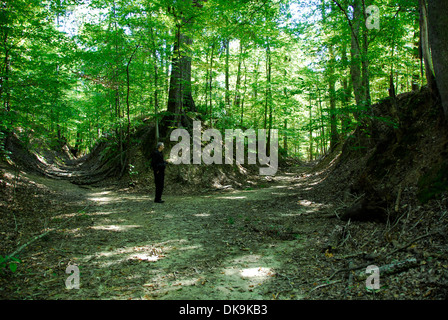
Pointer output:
x,y
424,45
180,97
356,67
438,39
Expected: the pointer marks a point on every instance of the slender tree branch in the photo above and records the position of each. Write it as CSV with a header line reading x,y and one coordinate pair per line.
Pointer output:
x,y
349,23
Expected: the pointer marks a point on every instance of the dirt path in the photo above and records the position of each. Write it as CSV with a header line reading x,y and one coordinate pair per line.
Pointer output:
x,y
187,248
224,245
264,243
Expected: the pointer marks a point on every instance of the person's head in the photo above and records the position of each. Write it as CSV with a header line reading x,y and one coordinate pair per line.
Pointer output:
x,y
160,146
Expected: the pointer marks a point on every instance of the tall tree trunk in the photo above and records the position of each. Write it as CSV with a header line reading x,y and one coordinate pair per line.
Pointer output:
x,y
244,94
238,77
211,84
268,93
286,94
4,71
255,85
116,85
227,73
355,52
311,128
365,69
5,83
285,137
424,44
4,77
128,110
156,83
128,90
334,136
207,74
345,117
438,39
322,124
180,99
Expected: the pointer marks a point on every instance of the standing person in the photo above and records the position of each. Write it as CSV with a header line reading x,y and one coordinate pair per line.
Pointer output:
x,y
158,165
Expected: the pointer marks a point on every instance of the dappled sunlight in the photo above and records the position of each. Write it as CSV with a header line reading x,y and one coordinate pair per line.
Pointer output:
x,y
260,273
147,253
98,213
255,273
232,197
101,193
317,182
149,267
146,257
134,198
202,214
251,269
118,195
305,203
103,197
309,207
279,187
115,227
81,214
279,193
292,214
128,246
150,253
113,198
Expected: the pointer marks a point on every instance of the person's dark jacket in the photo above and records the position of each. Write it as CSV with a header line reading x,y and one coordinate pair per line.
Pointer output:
x,y
158,164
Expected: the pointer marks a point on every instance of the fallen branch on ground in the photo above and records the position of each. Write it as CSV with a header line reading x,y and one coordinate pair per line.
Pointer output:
x,y
323,285
365,265
34,239
391,268
411,242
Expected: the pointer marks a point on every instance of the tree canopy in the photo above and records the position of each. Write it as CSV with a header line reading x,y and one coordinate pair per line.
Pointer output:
x,y
74,71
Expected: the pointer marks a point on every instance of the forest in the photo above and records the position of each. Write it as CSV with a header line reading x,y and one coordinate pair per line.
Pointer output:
x,y
347,98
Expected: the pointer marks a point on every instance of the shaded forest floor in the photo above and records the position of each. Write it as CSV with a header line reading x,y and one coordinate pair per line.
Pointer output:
x,y
269,241
224,232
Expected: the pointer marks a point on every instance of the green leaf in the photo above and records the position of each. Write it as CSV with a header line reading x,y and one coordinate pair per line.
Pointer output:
x,y
13,267
15,259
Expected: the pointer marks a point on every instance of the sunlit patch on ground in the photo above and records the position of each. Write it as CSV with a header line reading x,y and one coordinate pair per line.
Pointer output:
x,y
258,273
115,227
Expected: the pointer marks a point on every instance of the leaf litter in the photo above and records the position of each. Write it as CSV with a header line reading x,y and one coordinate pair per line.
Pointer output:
x,y
253,243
